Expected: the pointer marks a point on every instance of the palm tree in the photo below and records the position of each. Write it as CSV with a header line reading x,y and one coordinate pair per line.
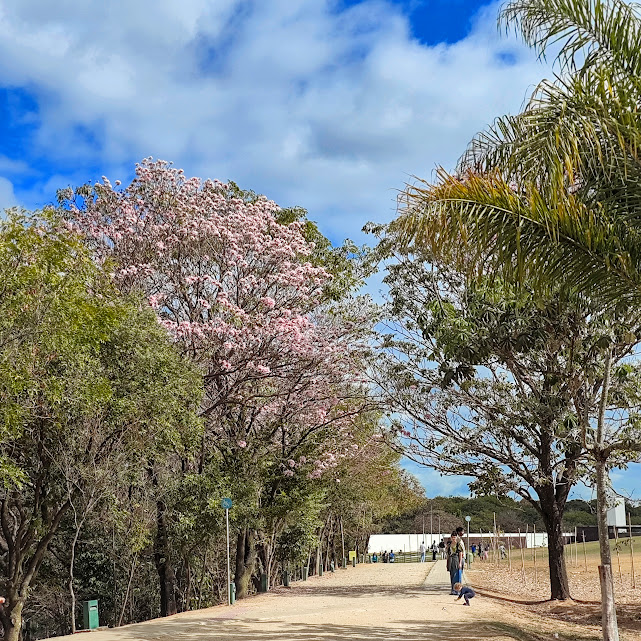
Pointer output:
x,y
553,194
560,181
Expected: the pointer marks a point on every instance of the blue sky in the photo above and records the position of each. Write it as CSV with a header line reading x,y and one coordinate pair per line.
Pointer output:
x,y
332,105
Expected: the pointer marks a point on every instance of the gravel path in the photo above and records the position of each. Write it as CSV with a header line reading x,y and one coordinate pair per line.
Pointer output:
x,y
391,602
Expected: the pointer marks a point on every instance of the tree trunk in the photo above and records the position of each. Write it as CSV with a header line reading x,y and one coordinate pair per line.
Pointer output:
x,y
202,578
72,592
609,626
245,560
317,564
12,619
72,560
162,559
188,591
608,607
559,584
124,603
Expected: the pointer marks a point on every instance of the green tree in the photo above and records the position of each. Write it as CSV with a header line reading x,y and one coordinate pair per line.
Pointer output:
x,y
490,384
552,195
248,298
87,381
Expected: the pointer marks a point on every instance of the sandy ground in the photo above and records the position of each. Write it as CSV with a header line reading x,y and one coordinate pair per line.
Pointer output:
x,y
532,589
404,602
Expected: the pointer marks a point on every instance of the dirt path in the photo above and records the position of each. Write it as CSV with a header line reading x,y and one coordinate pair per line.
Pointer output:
x,y
399,602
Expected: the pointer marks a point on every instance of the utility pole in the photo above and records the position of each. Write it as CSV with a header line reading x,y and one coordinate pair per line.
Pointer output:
x,y
431,524
231,592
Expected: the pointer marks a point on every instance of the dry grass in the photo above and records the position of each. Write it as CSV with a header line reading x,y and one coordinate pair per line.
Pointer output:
x,y
528,582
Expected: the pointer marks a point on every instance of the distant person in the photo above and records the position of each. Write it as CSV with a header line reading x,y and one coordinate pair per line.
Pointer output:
x,y
459,533
441,547
422,548
502,551
473,549
385,559
455,559
392,556
375,558
486,552
465,592
434,550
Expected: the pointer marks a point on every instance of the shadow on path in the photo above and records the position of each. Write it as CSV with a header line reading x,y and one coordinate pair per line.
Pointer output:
x,y
265,630
498,597
360,591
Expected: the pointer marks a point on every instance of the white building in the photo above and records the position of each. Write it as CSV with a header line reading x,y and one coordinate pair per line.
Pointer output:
x,y
410,542
616,515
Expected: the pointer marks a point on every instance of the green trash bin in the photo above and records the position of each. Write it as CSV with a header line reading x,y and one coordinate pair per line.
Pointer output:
x,y
264,584
90,619
232,593
320,570
305,573
286,579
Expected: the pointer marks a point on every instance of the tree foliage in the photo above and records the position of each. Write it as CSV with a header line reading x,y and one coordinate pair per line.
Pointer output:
x,y
489,383
88,380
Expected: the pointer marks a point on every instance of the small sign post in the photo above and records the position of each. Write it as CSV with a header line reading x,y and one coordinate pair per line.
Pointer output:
x,y
227,504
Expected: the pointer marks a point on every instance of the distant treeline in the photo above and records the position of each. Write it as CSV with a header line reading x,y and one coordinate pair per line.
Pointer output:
x,y
450,512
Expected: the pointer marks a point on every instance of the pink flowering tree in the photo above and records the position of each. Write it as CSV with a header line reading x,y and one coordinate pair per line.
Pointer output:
x,y
240,294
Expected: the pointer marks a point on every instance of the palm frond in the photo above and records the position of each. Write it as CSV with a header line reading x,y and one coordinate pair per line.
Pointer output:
x,y
588,32
575,132
481,224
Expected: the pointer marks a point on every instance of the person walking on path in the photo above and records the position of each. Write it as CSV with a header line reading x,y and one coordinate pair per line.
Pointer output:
x,y
465,592
441,547
455,559
421,549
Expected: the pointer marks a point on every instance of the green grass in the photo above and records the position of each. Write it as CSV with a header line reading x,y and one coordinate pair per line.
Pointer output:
x,y
592,548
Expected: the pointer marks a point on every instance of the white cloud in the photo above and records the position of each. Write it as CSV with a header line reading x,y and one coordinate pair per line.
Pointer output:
x,y
333,111
435,483
7,197
330,110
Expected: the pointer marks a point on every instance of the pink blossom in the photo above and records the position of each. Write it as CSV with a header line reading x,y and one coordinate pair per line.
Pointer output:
x,y
288,359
